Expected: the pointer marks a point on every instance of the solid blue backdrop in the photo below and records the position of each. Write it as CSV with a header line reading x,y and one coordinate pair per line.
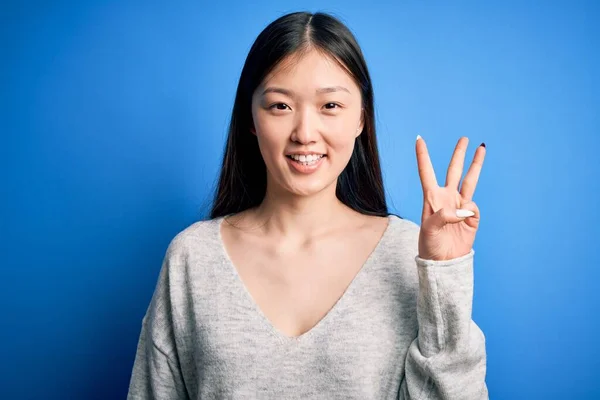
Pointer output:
x,y
113,119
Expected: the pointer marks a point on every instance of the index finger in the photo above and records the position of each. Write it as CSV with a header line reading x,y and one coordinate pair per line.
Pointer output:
x,y
426,172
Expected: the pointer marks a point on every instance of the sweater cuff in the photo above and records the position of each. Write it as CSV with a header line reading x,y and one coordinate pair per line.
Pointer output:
x,y
445,263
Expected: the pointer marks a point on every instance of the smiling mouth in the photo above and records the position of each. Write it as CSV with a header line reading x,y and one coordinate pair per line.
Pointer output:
x,y
310,159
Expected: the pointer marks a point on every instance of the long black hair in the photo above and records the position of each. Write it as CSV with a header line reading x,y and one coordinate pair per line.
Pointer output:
x,y
243,179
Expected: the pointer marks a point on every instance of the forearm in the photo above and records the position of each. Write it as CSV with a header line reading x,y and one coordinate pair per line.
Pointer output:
x,y
447,360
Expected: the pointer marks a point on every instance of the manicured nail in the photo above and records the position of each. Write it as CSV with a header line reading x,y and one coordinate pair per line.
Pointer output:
x,y
460,213
418,137
482,144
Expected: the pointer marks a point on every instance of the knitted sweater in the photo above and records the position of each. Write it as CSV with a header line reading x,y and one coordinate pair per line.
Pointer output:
x,y
401,330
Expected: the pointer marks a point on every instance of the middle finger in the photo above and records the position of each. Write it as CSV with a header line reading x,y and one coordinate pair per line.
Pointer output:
x,y
455,169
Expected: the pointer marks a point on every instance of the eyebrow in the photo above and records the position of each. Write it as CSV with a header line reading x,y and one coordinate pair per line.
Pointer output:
x,y
329,89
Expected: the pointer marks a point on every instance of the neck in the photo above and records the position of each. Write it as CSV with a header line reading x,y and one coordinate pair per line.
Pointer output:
x,y
290,215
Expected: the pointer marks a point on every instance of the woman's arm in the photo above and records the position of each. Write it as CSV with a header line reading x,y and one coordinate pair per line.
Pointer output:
x,y
447,361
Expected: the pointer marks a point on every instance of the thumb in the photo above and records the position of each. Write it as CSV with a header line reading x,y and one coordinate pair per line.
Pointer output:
x,y
473,220
445,216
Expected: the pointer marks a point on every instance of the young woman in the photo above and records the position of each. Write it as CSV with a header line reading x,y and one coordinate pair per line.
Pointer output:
x,y
301,285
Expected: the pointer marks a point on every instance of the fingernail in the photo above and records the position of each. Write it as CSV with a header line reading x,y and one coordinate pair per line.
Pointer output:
x,y
460,213
418,137
482,144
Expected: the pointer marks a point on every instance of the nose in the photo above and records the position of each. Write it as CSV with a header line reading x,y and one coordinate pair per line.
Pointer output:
x,y
305,129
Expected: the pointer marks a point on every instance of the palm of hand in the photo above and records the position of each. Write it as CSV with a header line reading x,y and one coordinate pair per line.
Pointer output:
x,y
444,235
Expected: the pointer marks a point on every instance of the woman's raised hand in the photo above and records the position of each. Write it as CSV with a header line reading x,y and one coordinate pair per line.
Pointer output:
x,y
450,217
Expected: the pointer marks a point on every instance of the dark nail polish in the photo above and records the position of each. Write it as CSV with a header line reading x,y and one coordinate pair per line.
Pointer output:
x,y
482,144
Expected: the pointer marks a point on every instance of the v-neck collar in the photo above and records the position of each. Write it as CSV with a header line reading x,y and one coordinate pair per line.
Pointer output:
x,y
329,316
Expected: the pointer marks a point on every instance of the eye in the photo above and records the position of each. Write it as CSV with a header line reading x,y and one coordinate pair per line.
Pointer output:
x,y
332,106
278,106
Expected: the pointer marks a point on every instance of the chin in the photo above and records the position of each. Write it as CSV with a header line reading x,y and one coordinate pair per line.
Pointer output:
x,y
310,187
303,185
305,190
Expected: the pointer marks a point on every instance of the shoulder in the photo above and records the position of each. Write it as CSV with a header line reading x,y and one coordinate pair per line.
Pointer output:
x,y
200,237
401,237
402,227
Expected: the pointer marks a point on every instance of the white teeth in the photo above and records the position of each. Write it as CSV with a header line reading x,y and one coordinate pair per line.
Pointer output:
x,y
303,158
306,159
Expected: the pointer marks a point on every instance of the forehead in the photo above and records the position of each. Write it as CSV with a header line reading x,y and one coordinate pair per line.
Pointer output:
x,y
309,70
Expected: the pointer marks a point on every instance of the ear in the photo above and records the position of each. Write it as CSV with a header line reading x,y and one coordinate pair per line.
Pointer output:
x,y
362,123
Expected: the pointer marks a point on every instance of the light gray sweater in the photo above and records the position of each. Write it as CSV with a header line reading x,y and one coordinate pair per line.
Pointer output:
x,y
402,330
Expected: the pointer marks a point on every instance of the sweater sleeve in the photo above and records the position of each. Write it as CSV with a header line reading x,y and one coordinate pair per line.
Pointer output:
x,y
447,360
156,370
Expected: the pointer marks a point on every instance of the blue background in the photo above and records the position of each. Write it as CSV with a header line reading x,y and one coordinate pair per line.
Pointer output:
x,y
113,117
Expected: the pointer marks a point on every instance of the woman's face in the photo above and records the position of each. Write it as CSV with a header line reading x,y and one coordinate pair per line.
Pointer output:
x,y
307,114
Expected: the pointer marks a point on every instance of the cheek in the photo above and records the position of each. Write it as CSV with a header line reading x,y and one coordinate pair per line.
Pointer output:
x,y
341,136
271,139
